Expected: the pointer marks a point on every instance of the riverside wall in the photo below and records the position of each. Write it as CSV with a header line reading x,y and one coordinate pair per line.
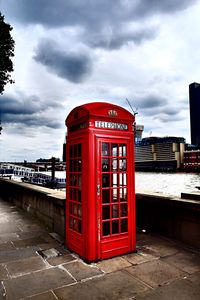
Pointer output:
x,y
176,218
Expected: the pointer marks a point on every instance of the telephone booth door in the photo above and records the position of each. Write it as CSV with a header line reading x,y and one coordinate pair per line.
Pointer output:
x,y
116,216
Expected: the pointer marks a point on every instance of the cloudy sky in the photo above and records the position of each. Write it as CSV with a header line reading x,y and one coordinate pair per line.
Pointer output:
x,y
71,52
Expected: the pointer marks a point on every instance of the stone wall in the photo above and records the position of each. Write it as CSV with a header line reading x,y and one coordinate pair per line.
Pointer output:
x,y
46,204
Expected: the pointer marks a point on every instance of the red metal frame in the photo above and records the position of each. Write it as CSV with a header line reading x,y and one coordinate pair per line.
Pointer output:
x,y
100,193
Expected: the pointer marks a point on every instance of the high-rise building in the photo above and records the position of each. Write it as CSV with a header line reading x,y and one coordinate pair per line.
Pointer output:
x,y
194,94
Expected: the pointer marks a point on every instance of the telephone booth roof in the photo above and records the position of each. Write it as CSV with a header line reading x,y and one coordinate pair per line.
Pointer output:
x,y
103,110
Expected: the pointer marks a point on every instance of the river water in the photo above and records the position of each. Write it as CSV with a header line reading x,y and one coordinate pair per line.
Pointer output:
x,y
166,183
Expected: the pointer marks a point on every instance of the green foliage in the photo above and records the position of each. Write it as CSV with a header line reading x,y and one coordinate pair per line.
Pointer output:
x,y
6,53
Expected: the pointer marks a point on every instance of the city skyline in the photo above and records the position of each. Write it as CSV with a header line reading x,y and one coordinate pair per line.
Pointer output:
x,y
68,53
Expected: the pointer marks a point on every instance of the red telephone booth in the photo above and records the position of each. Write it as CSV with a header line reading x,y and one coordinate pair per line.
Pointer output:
x,y
100,192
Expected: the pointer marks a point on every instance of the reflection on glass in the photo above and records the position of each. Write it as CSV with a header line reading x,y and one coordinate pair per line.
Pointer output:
x,y
122,164
105,165
75,150
122,150
71,194
114,179
106,228
105,180
79,165
114,149
122,179
79,211
105,149
123,210
105,196
75,209
106,212
114,198
124,225
115,211
115,226
123,194
114,164
79,180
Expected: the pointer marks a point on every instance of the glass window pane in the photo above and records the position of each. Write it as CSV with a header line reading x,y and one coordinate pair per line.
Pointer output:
x,y
122,179
105,165
79,226
71,151
105,149
79,196
75,224
122,164
71,222
75,210
71,194
105,180
115,226
79,211
75,194
114,165
114,148
123,194
79,150
124,225
114,180
75,150
114,195
115,211
122,150
79,165
106,212
70,208
79,183
105,196
106,228
123,210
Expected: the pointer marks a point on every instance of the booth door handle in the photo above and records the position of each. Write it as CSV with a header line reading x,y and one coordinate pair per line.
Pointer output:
x,y
98,189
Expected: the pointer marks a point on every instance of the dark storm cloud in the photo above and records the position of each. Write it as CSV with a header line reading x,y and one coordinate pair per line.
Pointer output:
x,y
115,38
150,102
27,111
73,66
96,18
86,12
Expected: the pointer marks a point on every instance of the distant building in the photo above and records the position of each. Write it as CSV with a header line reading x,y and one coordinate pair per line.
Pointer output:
x,y
191,160
194,95
159,153
138,132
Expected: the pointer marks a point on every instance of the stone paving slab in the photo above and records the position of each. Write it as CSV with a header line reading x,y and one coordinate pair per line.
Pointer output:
x,y
113,264
36,282
113,286
80,270
155,273
139,258
26,265
7,237
60,260
183,289
6,246
186,261
44,296
12,255
3,272
28,242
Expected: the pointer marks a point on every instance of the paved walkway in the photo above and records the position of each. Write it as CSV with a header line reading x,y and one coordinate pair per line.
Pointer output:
x,y
34,265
